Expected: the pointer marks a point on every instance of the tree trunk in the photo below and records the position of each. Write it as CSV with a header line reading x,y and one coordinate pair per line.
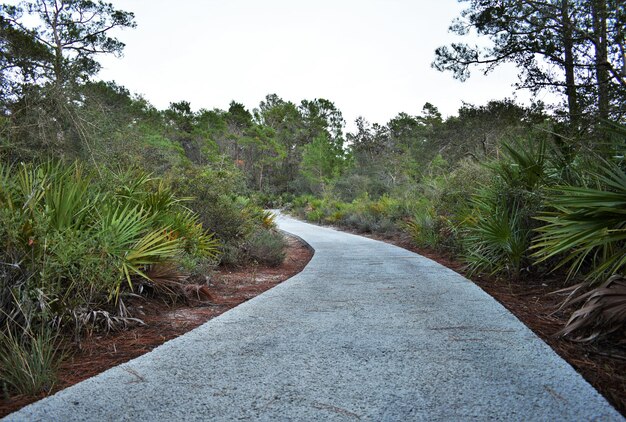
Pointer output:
x,y
601,56
568,50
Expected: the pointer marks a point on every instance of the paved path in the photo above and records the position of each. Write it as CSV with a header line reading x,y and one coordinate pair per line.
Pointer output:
x,y
367,331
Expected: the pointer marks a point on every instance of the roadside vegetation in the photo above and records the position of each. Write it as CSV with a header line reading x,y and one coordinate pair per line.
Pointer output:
x,y
104,197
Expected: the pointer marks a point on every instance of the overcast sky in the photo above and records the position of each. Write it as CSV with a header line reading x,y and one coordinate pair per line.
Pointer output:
x,y
370,57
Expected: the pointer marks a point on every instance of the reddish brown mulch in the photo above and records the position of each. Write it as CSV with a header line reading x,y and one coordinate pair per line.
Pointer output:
x,y
228,288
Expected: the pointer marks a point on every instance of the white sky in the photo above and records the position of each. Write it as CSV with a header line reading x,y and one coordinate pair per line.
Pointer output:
x,y
370,57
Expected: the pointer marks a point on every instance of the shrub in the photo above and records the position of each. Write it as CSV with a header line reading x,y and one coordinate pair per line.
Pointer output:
x,y
423,229
587,229
315,215
73,247
498,233
29,361
497,239
267,247
451,197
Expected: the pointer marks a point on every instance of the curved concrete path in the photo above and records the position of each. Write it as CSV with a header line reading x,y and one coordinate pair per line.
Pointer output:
x,y
367,331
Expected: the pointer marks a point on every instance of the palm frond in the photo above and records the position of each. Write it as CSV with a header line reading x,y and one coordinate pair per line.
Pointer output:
x,y
587,226
603,311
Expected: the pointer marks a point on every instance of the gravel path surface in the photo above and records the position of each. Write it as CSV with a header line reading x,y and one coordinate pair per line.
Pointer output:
x,y
368,331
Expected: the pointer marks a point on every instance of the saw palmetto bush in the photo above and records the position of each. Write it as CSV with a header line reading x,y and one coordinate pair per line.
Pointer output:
x,y
497,236
499,227
587,228
585,231
71,249
427,229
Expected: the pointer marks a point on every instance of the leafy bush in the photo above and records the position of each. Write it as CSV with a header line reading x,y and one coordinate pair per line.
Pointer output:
x,y
315,216
267,247
587,229
29,361
497,239
71,246
424,229
498,233
450,197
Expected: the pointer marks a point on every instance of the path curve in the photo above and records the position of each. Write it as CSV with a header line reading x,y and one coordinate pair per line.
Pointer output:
x,y
368,331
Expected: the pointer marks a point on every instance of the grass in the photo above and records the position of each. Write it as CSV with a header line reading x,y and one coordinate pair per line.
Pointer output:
x,y
29,362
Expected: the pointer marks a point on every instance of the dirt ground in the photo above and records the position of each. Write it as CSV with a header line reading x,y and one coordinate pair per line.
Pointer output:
x,y
603,366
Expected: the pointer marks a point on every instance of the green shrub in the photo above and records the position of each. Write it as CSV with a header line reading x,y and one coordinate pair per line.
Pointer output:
x,y
334,217
361,222
29,361
267,247
73,246
587,229
497,239
498,232
452,197
315,215
423,230
211,198
302,201
233,255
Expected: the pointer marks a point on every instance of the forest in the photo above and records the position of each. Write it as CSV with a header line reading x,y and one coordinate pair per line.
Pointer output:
x,y
103,196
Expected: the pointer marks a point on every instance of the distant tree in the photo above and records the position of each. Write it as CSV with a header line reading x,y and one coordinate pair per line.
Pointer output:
x,y
290,132
368,143
380,153
180,116
478,131
22,56
411,133
295,128
322,161
260,153
322,116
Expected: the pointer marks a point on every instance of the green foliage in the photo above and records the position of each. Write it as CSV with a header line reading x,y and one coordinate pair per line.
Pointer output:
x,y
70,245
211,197
426,229
499,230
497,238
315,216
363,214
132,244
322,162
29,360
547,42
68,40
266,247
587,229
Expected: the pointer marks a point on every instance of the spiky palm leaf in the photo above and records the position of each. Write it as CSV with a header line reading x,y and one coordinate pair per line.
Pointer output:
x,y
133,244
268,219
603,310
525,166
67,199
588,226
497,238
